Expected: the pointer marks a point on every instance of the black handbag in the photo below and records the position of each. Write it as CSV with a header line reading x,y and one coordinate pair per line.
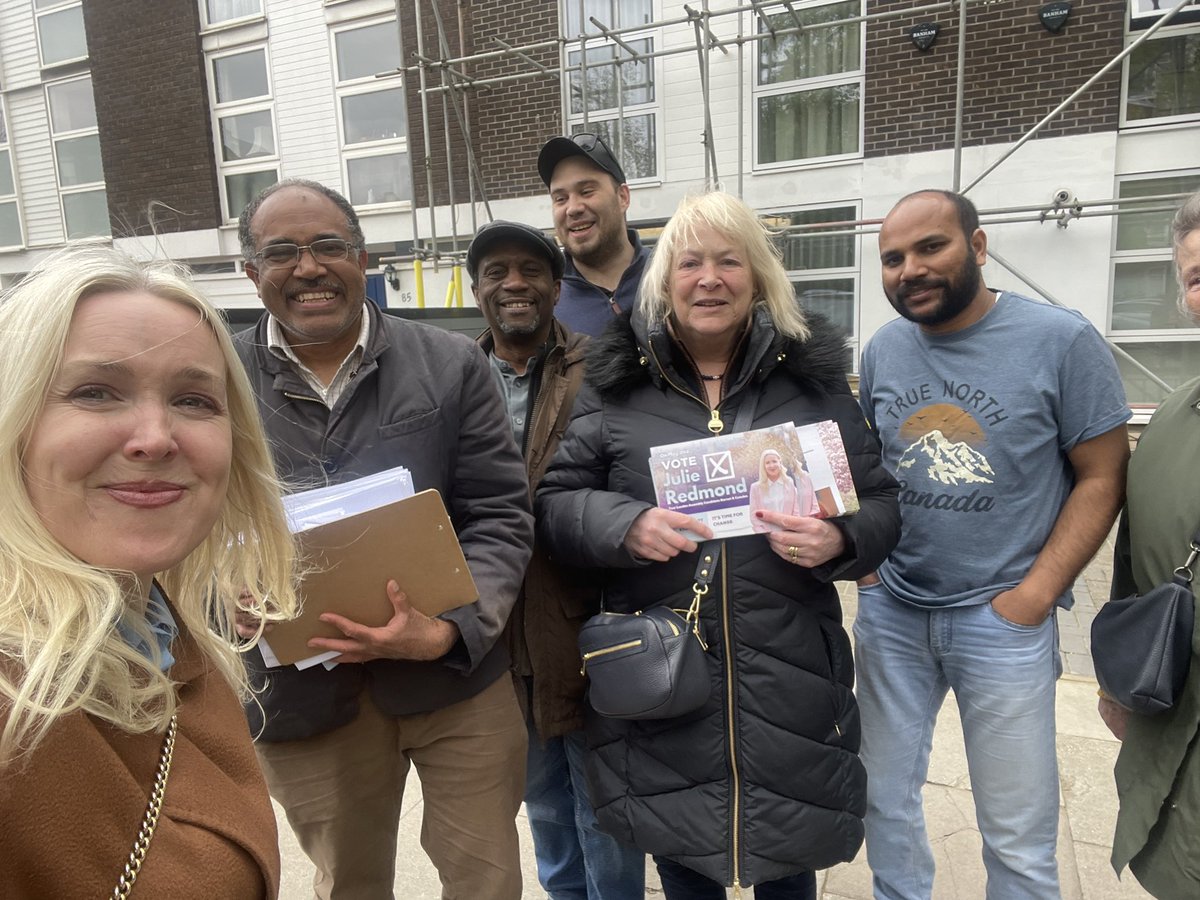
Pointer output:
x,y
1142,644
650,664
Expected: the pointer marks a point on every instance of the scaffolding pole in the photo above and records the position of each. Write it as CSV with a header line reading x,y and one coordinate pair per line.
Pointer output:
x,y
1079,92
960,92
475,174
462,115
701,30
425,130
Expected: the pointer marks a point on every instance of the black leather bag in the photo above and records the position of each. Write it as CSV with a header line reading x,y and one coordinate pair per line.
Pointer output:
x,y
650,664
1142,644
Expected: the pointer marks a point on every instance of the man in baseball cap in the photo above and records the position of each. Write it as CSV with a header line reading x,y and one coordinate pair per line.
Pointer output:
x,y
538,363
604,256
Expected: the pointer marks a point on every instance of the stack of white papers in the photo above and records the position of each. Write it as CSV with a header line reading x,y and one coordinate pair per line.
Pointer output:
x,y
320,506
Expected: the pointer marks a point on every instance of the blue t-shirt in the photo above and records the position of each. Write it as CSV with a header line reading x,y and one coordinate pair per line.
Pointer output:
x,y
976,426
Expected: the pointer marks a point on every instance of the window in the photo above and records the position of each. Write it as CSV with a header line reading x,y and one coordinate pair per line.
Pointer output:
x,y
244,125
10,219
822,263
611,90
77,157
1144,317
610,13
217,12
60,33
372,114
808,85
1162,78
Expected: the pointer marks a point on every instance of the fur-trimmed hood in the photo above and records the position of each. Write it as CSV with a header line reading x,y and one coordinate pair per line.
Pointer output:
x,y
628,354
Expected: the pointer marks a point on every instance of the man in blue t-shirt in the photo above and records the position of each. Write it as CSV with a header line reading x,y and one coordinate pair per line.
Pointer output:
x,y
1003,418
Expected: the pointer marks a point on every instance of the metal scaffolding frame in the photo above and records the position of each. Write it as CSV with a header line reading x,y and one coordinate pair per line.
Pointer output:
x,y
455,81
455,85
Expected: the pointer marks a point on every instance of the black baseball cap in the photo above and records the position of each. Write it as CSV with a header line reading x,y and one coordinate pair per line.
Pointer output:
x,y
585,143
527,236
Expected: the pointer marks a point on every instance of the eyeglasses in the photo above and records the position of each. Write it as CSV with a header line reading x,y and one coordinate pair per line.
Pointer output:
x,y
326,250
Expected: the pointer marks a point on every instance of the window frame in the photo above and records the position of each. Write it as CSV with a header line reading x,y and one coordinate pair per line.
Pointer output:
x,y
1127,338
851,272
1164,254
231,22
40,13
1166,33
6,145
232,108
87,187
804,85
359,86
586,120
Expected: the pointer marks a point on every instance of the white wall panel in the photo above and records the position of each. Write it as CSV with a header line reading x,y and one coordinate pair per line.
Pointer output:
x,y
302,77
19,64
29,131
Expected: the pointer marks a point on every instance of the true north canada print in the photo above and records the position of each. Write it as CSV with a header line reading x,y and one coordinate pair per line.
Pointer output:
x,y
947,449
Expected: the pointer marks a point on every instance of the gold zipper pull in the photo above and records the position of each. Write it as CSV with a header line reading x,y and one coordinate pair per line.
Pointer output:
x,y
715,425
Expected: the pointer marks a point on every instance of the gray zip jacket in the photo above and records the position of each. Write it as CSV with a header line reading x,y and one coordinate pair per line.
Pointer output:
x,y
423,398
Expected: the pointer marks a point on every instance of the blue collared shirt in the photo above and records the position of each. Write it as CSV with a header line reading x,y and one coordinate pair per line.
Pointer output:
x,y
162,627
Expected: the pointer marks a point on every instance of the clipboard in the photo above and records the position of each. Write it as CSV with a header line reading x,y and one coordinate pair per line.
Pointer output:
x,y
350,561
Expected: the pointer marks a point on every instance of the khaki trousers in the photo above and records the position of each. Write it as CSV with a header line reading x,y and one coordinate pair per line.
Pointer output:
x,y
342,793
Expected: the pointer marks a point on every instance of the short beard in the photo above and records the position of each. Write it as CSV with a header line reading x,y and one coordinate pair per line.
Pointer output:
x,y
521,330
957,295
609,247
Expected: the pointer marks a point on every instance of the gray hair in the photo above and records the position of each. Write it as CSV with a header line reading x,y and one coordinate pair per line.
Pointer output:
x,y
246,239
1187,220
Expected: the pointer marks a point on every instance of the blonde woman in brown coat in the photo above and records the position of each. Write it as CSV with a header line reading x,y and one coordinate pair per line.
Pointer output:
x,y
139,499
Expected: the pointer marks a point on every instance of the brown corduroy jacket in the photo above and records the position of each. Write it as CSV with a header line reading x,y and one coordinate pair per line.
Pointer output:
x,y
543,630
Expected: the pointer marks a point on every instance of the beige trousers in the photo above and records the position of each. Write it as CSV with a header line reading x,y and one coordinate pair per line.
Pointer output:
x,y
342,792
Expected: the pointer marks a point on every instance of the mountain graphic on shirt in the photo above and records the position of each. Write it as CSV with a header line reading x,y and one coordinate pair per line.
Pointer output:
x,y
945,461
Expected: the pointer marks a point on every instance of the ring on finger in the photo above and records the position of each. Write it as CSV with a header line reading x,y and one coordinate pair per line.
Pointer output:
x,y
792,553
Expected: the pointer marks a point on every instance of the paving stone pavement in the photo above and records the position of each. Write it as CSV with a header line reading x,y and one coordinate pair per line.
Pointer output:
x,y
1086,753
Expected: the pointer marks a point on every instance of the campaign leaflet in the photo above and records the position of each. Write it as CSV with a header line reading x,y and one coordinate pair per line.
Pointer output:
x,y
723,480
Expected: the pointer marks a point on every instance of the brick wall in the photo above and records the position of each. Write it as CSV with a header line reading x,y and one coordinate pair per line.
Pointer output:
x,y
508,121
152,111
1016,73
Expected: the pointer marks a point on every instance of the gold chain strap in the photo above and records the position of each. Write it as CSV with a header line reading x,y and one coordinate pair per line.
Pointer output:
x,y
149,821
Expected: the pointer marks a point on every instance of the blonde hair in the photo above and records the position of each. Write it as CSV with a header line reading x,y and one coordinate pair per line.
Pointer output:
x,y
735,221
762,466
59,648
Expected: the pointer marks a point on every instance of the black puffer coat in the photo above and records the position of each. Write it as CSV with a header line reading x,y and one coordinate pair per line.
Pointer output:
x,y
764,780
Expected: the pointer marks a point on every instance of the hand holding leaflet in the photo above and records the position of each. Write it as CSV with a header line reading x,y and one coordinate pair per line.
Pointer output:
x,y
725,481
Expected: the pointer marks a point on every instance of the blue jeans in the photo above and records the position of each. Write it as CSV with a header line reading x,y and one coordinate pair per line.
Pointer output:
x,y
681,883
575,859
1003,676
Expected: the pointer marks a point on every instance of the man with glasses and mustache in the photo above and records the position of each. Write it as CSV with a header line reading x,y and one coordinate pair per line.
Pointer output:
x,y
605,257
1003,418
344,392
